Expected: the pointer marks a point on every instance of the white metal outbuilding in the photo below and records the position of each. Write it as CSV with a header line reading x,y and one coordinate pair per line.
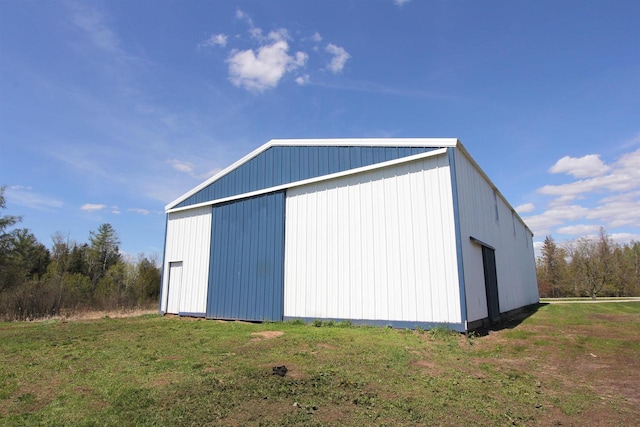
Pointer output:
x,y
400,232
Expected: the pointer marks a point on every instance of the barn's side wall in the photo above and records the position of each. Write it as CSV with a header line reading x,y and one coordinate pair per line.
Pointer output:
x,y
378,245
188,241
484,215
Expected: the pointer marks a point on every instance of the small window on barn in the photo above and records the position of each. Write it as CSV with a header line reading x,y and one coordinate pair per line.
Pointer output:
x,y
495,204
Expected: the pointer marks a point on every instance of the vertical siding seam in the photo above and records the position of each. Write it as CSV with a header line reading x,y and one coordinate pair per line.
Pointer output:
x,y
413,241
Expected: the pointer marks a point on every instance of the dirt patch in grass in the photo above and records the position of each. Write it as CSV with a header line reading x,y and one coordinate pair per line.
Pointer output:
x,y
583,370
30,398
164,379
266,335
426,364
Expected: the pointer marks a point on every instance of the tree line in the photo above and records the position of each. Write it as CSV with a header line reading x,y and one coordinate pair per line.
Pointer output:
x,y
36,281
589,267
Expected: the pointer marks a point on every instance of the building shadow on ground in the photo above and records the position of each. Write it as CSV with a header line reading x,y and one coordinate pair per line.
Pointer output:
x,y
508,320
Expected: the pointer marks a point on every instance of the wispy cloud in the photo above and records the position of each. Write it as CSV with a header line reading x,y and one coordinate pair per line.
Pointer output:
x,y
92,22
25,196
189,169
400,3
369,87
181,166
139,211
92,207
240,14
215,40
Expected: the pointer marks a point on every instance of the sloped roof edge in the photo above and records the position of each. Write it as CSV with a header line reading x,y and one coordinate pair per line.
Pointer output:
x,y
331,142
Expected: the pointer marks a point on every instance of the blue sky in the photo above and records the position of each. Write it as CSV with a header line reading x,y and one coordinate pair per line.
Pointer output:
x,y
111,109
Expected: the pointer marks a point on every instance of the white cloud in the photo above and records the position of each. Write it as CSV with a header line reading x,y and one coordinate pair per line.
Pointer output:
x,y
579,229
241,15
340,57
139,210
256,33
399,3
542,223
524,208
181,166
625,237
574,208
92,207
624,176
303,80
215,40
537,246
25,196
115,210
279,34
581,167
263,69
619,211
264,65
209,173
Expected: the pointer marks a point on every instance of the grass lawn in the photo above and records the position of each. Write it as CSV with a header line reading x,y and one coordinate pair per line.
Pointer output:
x,y
569,364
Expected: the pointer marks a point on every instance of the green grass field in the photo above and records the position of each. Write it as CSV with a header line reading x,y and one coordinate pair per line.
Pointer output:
x,y
569,364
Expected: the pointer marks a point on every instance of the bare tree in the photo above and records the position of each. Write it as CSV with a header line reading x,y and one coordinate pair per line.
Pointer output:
x,y
593,263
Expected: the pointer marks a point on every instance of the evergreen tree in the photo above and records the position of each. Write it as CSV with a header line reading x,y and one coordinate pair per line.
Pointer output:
x,y
8,274
103,251
552,268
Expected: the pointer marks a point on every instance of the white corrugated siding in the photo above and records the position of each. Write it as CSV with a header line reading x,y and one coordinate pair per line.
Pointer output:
x,y
188,240
378,245
515,263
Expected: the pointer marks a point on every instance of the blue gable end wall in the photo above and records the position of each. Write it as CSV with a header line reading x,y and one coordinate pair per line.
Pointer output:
x,y
280,165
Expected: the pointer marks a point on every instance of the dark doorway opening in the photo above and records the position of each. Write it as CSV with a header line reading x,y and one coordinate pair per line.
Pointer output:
x,y
491,283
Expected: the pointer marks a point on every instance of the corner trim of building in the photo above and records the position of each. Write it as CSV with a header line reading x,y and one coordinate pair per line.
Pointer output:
x,y
164,255
456,220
